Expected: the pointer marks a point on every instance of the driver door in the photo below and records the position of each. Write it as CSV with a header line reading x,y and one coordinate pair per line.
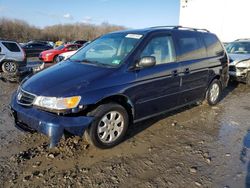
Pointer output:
x,y
158,86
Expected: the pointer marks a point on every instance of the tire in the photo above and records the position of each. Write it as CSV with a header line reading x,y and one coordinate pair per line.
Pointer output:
x,y
214,92
100,133
54,59
9,67
248,78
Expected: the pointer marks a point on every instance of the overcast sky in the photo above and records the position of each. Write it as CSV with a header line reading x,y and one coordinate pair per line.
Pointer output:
x,y
129,13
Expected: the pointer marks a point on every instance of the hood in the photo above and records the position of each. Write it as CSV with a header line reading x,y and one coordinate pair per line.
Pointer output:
x,y
67,54
235,58
65,79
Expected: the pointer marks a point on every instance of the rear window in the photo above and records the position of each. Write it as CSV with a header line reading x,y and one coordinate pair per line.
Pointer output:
x,y
214,47
190,46
11,46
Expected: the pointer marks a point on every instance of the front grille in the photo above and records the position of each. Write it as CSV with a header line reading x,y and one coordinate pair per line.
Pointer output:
x,y
25,98
232,68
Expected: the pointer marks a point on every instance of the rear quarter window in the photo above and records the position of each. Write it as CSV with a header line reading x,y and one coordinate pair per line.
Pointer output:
x,y
11,46
191,47
214,47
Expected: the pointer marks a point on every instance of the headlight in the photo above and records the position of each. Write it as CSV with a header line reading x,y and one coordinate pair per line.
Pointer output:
x,y
243,64
54,103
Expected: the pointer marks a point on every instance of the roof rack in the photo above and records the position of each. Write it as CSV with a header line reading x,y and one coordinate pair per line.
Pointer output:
x,y
181,27
242,39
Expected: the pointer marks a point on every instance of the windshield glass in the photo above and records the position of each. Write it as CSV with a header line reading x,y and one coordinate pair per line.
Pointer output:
x,y
60,47
108,50
238,48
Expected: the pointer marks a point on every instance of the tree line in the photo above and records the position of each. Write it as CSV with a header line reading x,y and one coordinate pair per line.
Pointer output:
x,y
21,31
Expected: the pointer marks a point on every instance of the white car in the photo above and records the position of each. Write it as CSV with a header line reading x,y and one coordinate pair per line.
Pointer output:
x,y
12,57
65,55
239,55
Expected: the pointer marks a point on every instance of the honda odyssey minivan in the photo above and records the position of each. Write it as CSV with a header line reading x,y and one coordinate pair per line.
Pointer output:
x,y
122,78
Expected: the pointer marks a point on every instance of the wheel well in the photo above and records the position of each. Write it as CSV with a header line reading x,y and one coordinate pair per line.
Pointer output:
x,y
123,101
215,77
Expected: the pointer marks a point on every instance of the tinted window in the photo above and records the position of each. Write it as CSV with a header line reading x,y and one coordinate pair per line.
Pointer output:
x,y
161,48
0,49
213,45
190,46
11,46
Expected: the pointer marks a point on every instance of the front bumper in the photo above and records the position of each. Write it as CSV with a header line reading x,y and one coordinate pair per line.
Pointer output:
x,y
47,123
237,74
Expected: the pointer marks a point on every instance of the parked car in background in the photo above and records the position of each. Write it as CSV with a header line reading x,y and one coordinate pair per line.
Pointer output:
x,y
51,55
58,43
82,42
120,78
12,57
33,49
239,54
65,56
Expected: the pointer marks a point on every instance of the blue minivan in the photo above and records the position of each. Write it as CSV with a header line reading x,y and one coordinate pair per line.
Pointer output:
x,y
122,78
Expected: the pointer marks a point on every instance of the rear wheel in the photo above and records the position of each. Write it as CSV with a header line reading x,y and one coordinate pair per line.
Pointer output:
x,y
248,78
214,92
109,126
9,67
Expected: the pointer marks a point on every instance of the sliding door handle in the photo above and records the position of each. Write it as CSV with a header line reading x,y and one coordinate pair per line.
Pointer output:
x,y
186,71
175,73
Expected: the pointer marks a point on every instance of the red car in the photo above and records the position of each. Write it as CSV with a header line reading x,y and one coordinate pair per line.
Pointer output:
x,y
50,55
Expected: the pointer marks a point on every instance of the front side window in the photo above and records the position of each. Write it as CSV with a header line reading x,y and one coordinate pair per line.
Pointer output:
x,y
11,46
109,50
161,48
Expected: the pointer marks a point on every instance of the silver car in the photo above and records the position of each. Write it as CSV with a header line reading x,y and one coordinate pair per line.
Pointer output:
x,y
239,54
12,56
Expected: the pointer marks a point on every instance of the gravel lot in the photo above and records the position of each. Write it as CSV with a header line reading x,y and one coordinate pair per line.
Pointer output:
x,y
196,146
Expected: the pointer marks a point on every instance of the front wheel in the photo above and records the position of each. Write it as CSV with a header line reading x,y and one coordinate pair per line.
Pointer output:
x,y
214,92
9,67
109,126
54,59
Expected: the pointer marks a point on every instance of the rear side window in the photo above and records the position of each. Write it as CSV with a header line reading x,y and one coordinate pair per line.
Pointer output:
x,y
11,46
0,49
191,46
161,48
214,47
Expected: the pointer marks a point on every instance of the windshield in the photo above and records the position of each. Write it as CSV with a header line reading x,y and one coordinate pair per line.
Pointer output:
x,y
60,47
108,50
238,48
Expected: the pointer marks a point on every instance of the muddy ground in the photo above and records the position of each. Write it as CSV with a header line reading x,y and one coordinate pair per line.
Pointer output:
x,y
196,146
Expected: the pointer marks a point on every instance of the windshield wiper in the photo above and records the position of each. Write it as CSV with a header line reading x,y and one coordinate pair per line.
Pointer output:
x,y
91,62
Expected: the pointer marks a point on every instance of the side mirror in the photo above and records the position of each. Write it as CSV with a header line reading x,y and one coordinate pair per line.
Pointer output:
x,y
147,61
